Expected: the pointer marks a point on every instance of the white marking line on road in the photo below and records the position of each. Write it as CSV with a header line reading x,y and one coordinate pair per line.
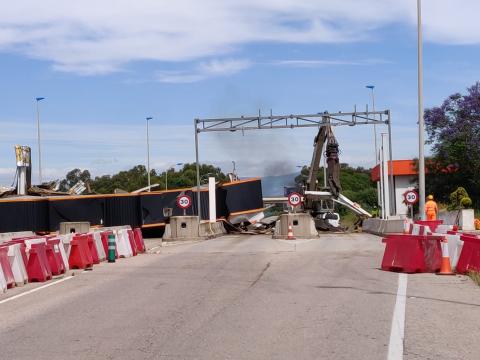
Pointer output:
x,y
397,334
155,247
36,289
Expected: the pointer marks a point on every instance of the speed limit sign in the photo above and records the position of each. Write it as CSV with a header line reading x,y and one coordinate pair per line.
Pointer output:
x,y
411,197
294,199
184,202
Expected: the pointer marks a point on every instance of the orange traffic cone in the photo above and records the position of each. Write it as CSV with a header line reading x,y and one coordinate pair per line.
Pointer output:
x,y
445,267
290,233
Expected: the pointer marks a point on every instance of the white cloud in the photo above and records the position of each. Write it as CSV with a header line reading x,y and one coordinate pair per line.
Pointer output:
x,y
204,70
322,63
92,37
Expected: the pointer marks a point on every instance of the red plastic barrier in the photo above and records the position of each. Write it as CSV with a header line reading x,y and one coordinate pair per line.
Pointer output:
x,y
131,239
80,256
412,253
104,236
38,268
23,250
93,249
469,259
137,232
7,269
54,257
432,224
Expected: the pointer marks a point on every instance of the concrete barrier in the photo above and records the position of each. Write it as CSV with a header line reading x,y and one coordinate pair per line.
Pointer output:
x,y
381,227
465,217
302,224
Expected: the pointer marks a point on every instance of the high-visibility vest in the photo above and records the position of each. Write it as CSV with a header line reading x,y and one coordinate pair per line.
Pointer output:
x,y
431,207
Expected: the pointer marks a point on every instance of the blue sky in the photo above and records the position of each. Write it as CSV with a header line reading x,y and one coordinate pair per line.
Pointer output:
x,y
103,66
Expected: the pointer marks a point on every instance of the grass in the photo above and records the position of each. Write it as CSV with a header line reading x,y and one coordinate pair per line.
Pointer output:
x,y
475,276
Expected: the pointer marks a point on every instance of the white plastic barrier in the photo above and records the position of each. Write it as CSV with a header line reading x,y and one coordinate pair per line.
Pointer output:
x,y
123,244
63,253
29,242
442,228
418,229
455,246
98,242
16,263
65,240
3,282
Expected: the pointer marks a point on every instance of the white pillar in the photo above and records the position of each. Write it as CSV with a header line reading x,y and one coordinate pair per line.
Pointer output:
x,y
386,193
212,200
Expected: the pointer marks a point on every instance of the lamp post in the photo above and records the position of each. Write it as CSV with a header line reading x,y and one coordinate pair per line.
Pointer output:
x,y
372,88
148,153
38,99
166,173
421,125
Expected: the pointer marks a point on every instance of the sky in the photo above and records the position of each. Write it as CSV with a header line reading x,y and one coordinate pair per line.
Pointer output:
x,y
103,66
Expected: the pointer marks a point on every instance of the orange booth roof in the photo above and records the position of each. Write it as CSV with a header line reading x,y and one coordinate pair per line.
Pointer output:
x,y
400,167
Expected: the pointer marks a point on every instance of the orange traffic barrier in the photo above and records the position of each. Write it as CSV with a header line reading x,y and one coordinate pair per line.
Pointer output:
x,y
445,267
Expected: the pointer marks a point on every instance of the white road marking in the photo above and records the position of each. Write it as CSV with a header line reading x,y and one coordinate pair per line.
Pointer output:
x,y
397,334
36,289
155,247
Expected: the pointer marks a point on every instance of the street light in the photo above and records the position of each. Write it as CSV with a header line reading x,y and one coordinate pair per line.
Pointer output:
x,y
38,99
421,125
148,153
166,173
372,87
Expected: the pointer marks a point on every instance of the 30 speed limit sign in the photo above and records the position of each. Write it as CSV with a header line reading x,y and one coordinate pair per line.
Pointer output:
x,y
184,201
294,199
411,197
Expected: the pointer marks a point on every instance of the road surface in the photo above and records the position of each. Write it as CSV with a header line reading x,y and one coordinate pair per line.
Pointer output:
x,y
246,297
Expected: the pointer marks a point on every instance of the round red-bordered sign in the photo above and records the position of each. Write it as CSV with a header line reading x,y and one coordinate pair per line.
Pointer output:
x,y
411,197
294,199
184,201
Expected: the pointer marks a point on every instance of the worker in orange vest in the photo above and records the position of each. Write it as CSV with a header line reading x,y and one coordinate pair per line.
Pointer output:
x,y
431,208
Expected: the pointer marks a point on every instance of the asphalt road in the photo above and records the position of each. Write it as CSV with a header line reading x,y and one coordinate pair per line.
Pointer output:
x,y
244,297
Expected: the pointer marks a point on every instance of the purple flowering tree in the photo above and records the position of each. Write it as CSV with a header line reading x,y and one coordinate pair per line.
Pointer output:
x,y
454,132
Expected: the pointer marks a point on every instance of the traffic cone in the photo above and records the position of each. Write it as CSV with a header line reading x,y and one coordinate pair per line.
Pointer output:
x,y
290,233
445,267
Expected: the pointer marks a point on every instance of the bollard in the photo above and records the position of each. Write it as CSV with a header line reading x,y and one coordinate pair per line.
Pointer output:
x,y
111,248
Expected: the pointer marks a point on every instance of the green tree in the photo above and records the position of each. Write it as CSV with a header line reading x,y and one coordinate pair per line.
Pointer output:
x,y
453,130
136,178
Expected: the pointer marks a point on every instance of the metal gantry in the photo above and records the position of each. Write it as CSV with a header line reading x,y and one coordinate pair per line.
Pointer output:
x,y
292,121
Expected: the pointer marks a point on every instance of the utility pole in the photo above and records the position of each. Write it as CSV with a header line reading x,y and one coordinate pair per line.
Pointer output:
x,y
40,179
372,87
148,154
421,125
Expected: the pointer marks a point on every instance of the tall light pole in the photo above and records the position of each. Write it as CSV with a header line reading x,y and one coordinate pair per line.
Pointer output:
x,y
421,125
166,173
148,153
372,87
38,99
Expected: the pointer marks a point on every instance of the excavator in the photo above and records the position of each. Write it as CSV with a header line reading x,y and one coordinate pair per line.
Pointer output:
x,y
320,201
